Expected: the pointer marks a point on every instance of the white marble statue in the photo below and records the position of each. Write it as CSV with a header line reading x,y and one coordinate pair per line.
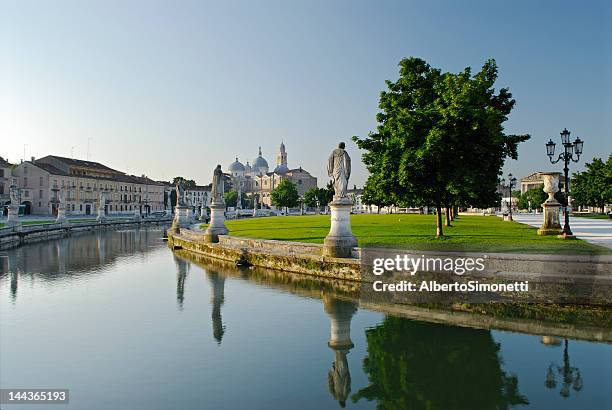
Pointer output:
x,y
180,193
217,186
15,195
339,169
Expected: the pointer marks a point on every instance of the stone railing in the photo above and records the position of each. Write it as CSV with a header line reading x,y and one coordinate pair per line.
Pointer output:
x,y
14,236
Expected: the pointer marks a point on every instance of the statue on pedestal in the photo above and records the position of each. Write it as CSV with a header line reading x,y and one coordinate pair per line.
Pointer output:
x,y
217,186
12,218
339,169
61,207
551,224
180,193
216,226
101,207
340,240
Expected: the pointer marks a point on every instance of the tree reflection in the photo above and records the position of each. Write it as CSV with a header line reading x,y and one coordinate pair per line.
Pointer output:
x,y
416,365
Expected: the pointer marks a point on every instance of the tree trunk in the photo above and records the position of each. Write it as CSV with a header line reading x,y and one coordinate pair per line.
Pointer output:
x,y
447,221
439,232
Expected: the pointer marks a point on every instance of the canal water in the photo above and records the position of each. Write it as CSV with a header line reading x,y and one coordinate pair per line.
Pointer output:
x,y
123,323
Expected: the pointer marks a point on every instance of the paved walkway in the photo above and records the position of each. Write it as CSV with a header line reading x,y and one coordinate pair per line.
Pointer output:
x,y
597,231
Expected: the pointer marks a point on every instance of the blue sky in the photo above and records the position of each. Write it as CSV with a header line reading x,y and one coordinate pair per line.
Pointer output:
x,y
175,87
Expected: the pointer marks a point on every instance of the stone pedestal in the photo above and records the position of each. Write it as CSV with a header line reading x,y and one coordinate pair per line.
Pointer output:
x,y
216,226
13,216
340,240
182,217
551,225
507,217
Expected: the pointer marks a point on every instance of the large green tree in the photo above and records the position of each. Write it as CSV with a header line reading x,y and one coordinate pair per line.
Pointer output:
x,y
593,187
187,183
440,138
285,195
231,198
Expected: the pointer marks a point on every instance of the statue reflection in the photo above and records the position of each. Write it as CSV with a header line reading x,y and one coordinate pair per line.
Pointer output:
x,y
217,283
182,269
339,377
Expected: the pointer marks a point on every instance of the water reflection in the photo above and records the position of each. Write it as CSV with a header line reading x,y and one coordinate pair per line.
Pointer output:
x,y
217,283
425,365
396,363
340,313
570,375
182,269
80,255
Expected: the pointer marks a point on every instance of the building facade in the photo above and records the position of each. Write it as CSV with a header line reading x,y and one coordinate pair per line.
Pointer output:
x,y
42,182
5,183
257,180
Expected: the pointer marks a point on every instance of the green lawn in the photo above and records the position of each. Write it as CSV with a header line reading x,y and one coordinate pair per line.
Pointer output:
x,y
469,233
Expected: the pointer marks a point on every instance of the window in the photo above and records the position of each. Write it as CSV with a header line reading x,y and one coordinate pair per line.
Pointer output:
x,y
1,173
25,170
81,207
40,194
25,181
40,182
26,193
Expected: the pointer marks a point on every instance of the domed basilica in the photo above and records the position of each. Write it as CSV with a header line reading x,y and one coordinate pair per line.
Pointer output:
x,y
256,178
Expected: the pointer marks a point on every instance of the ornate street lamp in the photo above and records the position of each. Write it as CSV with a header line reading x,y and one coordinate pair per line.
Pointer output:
x,y
569,149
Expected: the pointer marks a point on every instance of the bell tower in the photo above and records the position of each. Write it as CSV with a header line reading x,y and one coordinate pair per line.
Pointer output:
x,y
281,157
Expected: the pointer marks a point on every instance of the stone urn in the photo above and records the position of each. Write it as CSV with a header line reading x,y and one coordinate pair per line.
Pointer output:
x,y
551,184
551,224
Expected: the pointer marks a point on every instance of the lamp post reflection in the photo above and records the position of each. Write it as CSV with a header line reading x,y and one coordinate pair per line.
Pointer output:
x,y
339,377
570,375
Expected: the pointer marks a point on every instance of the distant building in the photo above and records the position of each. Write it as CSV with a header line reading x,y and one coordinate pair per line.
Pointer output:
x,y
531,181
257,179
42,180
5,183
356,196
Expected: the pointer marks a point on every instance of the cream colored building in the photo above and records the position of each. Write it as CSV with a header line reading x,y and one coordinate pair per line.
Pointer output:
x,y
5,183
257,179
41,181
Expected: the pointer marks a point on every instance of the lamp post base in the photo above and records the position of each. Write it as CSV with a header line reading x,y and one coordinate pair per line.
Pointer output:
x,y
566,236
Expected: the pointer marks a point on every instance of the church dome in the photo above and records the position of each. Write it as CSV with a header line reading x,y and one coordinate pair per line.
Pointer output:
x,y
247,168
281,169
259,163
236,166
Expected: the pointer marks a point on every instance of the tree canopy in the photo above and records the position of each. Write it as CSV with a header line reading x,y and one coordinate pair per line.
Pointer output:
x,y
317,197
231,198
440,139
593,187
187,183
285,194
